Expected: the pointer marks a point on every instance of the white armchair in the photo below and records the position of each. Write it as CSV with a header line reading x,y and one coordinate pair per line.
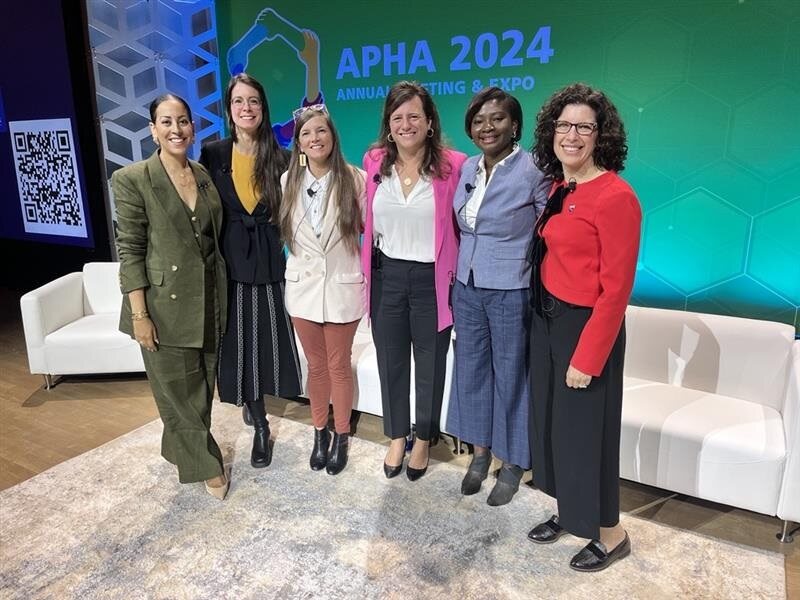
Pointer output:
x,y
71,325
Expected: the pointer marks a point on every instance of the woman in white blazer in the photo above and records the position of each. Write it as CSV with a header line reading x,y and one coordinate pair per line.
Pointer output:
x,y
321,221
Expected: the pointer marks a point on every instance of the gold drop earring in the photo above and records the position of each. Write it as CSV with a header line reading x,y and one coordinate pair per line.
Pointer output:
x,y
303,161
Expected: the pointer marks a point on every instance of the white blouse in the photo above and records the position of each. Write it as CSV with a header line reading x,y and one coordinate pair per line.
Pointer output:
x,y
473,205
315,198
404,227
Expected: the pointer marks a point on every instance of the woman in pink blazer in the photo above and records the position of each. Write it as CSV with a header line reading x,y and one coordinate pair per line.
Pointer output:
x,y
321,222
409,256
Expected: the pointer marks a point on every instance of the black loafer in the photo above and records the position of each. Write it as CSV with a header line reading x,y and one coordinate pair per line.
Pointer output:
x,y
595,557
547,532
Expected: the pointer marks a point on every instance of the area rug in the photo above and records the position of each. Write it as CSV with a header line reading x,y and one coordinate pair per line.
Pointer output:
x,y
115,523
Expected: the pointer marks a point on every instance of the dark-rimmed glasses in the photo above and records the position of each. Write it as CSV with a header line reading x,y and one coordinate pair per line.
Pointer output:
x,y
581,128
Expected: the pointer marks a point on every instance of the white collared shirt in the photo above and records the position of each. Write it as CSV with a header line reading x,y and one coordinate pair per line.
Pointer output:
x,y
404,226
473,205
316,202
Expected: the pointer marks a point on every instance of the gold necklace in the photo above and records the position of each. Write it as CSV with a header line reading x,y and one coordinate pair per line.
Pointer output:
x,y
182,178
406,180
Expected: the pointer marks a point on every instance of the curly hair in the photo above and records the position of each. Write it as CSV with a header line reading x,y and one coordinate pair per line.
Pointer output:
x,y
434,163
610,150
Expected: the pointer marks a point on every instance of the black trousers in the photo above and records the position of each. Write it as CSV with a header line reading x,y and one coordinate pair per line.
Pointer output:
x,y
574,433
404,317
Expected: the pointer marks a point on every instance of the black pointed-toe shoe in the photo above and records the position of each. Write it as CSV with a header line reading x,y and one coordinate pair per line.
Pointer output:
x,y
414,474
477,471
547,532
319,454
391,471
337,458
595,556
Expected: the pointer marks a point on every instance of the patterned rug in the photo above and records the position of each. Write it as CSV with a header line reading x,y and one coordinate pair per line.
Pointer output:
x,y
115,523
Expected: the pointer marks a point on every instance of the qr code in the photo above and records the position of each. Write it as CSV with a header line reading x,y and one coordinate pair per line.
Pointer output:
x,y
47,177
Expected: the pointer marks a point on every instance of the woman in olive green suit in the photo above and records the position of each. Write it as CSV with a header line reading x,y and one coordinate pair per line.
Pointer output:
x,y
174,288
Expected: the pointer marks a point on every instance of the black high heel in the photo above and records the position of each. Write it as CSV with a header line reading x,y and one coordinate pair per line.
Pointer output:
x,y
414,474
391,471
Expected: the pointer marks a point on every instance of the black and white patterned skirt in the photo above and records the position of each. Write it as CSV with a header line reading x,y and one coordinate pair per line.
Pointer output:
x,y
258,353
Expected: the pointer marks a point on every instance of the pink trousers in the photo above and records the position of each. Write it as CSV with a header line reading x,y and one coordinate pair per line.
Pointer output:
x,y
328,349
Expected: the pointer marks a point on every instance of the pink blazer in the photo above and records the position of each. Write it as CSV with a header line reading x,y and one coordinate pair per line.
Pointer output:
x,y
445,235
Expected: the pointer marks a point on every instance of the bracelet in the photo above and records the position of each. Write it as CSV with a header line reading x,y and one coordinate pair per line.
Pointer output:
x,y
138,316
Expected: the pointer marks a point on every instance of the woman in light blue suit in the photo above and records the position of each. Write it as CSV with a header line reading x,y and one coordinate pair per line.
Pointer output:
x,y
499,197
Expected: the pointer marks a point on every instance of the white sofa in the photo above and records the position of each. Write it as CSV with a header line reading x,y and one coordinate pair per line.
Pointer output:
x,y
711,409
71,324
711,406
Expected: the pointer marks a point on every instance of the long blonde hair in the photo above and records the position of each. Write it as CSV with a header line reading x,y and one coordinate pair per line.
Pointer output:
x,y
343,186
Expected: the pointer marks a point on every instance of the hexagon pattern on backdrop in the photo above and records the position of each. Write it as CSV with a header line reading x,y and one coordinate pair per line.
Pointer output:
x,y
141,49
715,159
708,91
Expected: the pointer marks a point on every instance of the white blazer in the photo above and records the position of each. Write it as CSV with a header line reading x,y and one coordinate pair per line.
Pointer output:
x,y
324,282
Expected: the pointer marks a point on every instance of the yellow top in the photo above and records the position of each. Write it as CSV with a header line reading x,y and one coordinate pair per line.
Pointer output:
x,y
242,166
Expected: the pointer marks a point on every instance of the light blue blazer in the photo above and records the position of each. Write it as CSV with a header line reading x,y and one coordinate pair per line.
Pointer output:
x,y
496,250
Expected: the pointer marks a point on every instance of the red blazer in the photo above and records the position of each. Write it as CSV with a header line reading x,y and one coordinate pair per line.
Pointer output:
x,y
592,249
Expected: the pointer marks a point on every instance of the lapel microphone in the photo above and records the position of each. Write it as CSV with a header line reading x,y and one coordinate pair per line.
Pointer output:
x,y
377,179
469,187
311,192
572,184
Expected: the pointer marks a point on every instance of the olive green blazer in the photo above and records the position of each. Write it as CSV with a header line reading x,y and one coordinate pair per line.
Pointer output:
x,y
158,251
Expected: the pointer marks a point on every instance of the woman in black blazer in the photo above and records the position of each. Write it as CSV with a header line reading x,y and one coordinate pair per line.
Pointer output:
x,y
258,354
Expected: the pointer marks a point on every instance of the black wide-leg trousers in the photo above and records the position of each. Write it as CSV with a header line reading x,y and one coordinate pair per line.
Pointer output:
x,y
574,433
404,317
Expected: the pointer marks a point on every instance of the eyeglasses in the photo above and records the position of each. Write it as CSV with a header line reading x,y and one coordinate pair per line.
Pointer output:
x,y
251,102
581,128
316,107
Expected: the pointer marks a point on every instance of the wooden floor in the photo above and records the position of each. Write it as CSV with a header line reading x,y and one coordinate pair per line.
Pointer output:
x,y
41,428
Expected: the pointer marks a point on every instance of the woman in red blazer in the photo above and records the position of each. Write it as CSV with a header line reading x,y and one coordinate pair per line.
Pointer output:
x,y
586,245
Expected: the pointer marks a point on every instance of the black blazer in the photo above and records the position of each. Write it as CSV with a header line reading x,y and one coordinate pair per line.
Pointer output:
x,y
250,244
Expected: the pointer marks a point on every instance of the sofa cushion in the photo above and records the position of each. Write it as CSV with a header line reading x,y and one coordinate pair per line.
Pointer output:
x,y
101,291
707,445
742,358
93,344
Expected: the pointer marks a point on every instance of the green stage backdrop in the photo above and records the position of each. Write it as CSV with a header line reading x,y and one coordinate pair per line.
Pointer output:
x,y
709,92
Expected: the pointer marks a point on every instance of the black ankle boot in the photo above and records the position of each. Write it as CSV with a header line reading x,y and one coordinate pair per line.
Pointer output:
x,y
261,454
319,454
337,459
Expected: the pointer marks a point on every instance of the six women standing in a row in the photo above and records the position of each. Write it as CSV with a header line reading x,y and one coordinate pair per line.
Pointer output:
x,y
415,200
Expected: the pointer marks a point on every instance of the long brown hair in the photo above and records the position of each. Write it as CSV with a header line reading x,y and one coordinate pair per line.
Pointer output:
x,y
343,188
433,163
271,159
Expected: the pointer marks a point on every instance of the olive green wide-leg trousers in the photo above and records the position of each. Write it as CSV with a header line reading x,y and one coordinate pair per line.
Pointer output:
x,y
182,380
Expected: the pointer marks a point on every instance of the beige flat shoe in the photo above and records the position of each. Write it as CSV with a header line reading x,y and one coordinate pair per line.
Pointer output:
x,y
219,492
